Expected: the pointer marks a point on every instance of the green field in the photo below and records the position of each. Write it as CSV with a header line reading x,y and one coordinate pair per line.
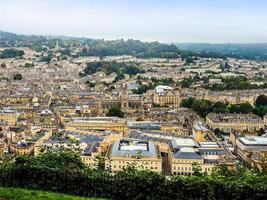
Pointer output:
x,y
23,194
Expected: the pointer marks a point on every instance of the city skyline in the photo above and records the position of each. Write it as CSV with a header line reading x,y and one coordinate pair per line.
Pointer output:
x,y
221,21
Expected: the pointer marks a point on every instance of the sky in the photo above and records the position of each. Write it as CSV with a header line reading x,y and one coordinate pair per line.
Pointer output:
x,y
216,21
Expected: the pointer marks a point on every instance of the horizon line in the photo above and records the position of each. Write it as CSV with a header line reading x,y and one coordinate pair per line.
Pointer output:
x,y
114,39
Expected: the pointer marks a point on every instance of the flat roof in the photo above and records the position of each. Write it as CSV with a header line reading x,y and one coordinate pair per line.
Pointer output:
x,y
120,148
253,140
183,142
199,126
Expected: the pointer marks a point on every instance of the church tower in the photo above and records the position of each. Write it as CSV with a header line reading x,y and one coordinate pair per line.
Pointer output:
x,y
124,97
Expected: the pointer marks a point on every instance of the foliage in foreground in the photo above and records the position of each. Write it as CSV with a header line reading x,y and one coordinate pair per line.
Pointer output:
x,y
44,173
23,194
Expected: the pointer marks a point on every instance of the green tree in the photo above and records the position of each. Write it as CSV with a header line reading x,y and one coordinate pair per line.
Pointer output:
x,y
100,162
220,107
115,112
260,110
64,160
261,100
246,108
196,168
17,76
28,65
11,53
187,103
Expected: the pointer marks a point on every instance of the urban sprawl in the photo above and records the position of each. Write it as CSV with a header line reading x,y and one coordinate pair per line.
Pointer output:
x,y
160,114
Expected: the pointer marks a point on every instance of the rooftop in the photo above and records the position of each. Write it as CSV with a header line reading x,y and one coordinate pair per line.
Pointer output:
x,y
183,142
254,140
187,153
133,147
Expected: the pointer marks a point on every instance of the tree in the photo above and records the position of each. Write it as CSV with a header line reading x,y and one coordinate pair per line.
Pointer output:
x,y
189,60
261,100
99,162
115,112
186,82
11,53
243,108
142,89
28,65
64,160
187,103
220,107
47,58
196,168
17,76
246,108
260,110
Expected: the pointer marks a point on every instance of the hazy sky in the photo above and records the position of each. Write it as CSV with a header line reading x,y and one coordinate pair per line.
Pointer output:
x,y
163,20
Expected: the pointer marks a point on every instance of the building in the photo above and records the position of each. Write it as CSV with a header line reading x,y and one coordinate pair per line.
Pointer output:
x,y
27,146
45,119
186,154
252,150
98,123
200,132
9,116
144,155
166,96
158,138
2,148
237,122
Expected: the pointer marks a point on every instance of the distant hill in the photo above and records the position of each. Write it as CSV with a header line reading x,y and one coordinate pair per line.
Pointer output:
x,y
93,47
7,37
100,47
241,51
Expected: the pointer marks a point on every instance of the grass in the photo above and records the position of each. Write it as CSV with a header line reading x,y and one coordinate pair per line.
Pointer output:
x,y
24,194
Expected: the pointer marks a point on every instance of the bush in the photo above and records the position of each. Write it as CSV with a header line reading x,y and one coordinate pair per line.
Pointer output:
x,y
129,183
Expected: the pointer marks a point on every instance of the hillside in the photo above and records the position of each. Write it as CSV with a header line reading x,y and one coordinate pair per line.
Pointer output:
x,y
101,47
240,51
92,47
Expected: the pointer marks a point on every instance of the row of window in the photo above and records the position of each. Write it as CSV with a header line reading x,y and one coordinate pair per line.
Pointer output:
x,y
188,169
142,167
127,162
186,161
